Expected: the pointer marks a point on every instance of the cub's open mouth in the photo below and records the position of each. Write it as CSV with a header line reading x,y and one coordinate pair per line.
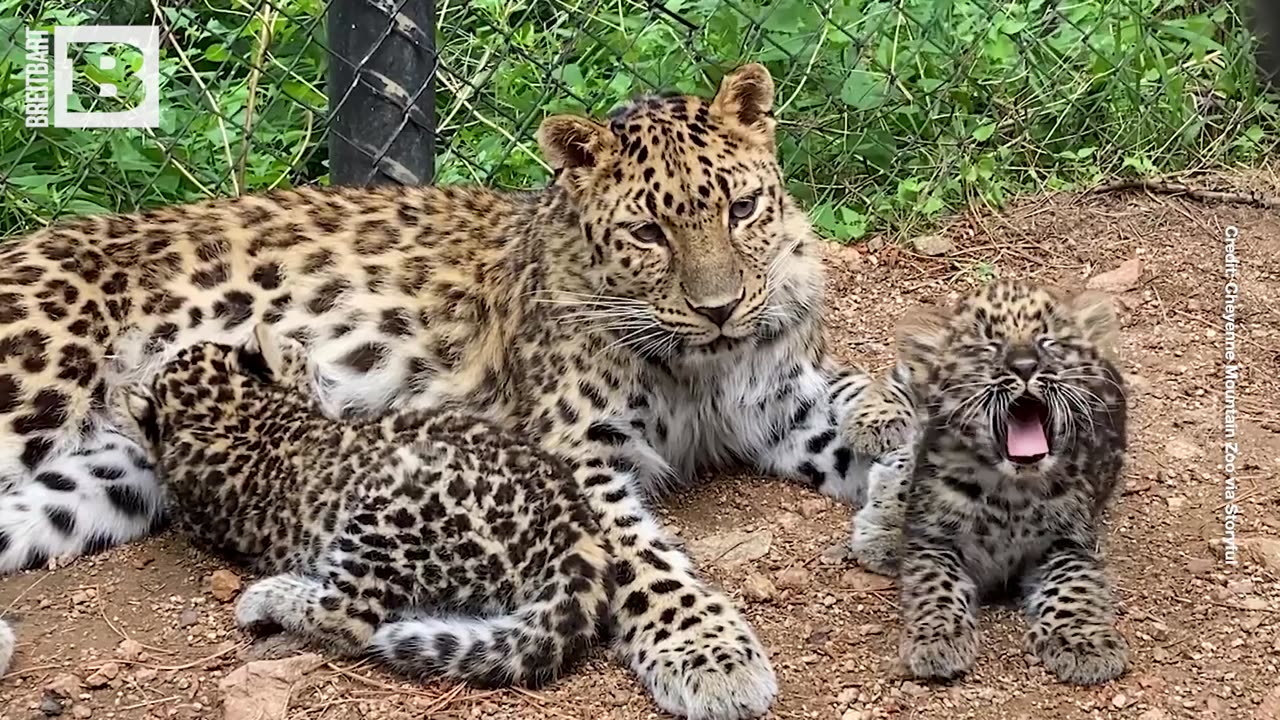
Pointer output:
x,y
1026,432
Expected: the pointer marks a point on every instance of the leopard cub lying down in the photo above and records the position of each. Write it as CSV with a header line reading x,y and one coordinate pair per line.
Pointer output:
x,y
1022,444
433,541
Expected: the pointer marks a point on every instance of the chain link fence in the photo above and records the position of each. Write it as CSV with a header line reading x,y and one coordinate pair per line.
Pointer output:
x,y
892,112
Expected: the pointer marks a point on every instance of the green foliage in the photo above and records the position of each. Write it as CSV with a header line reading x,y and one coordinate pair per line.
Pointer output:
x,y
893,112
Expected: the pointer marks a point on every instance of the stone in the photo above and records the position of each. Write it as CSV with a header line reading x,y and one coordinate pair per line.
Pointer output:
x,y
1122,279
794,577
224,585
932,245
261,690
731,549
129,650
51,706
759,588
1264,551
1181,449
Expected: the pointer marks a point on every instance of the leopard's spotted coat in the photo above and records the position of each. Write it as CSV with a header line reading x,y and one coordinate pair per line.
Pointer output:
x,y
656,311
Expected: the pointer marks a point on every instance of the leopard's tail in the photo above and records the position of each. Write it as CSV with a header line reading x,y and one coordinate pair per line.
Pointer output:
x,y
534,644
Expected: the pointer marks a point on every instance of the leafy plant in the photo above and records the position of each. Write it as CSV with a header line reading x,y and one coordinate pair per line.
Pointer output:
x,y
893,112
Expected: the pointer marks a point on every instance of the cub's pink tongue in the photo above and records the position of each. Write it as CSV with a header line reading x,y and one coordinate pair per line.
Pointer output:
x,y
1026,436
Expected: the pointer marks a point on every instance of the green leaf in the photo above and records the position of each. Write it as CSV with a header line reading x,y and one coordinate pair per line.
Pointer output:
x,y
863,90
983,133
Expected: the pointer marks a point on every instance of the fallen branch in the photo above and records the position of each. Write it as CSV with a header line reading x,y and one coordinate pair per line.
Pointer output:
x,y
1163,187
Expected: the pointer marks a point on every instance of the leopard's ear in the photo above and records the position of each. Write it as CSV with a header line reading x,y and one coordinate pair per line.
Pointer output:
x,y
272,361
746,95
575,147
1095,315
142,411
920,336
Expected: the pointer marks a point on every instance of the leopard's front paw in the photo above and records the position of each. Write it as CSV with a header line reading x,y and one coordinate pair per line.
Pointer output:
x,y
706,664
1087,655
875,546
939,655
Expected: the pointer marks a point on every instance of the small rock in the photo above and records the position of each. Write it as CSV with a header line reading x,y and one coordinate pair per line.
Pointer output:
x,y
812,507
51,706
835,554
144,675
847,696
1240,587
932,245
1176,503
1154,714
914,690
1183,449
261,690
1138,487
224,585
1200,566
129,650
81,711
794,577
1269,709
1264,551
1121,701
759,588
81,597
189,617
871,629
731,549
1122,279
859,579
100,679
65,685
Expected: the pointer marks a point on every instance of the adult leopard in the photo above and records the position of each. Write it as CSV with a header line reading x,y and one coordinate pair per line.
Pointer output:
x,y
655,311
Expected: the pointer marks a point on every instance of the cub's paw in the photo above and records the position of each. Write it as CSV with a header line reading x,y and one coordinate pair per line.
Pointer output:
x,y
263,609
874,546
718,679
707,665
940,657
876,428
1084,656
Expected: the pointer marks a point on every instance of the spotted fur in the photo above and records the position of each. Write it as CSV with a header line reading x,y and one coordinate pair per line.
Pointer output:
x,y
655,312
434,540
972,520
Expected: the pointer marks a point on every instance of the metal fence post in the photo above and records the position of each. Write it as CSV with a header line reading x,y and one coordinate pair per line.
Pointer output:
x,y
1265,21
381,91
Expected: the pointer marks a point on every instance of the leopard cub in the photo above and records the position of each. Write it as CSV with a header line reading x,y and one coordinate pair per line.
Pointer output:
x,y
1021,446
431,540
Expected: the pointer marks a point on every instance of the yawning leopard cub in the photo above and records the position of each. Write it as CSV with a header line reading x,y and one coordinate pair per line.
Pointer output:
x,y
1022,445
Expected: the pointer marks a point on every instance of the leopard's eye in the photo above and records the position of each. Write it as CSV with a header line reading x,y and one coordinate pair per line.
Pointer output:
x,y
1048,343
649,233
744,208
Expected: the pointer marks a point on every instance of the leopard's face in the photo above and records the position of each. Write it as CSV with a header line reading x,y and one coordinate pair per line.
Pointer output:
x,y
206,385
1017,373
692,235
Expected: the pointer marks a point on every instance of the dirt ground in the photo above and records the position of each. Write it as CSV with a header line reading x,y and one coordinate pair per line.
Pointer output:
x,y
139,633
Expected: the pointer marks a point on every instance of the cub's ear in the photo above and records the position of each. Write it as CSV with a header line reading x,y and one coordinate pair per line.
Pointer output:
x,y
1094,313
746,95
142,410
266,344
919,337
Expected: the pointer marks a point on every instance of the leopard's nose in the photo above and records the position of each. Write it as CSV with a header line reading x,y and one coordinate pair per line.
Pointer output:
x,y
1024,362
719,314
